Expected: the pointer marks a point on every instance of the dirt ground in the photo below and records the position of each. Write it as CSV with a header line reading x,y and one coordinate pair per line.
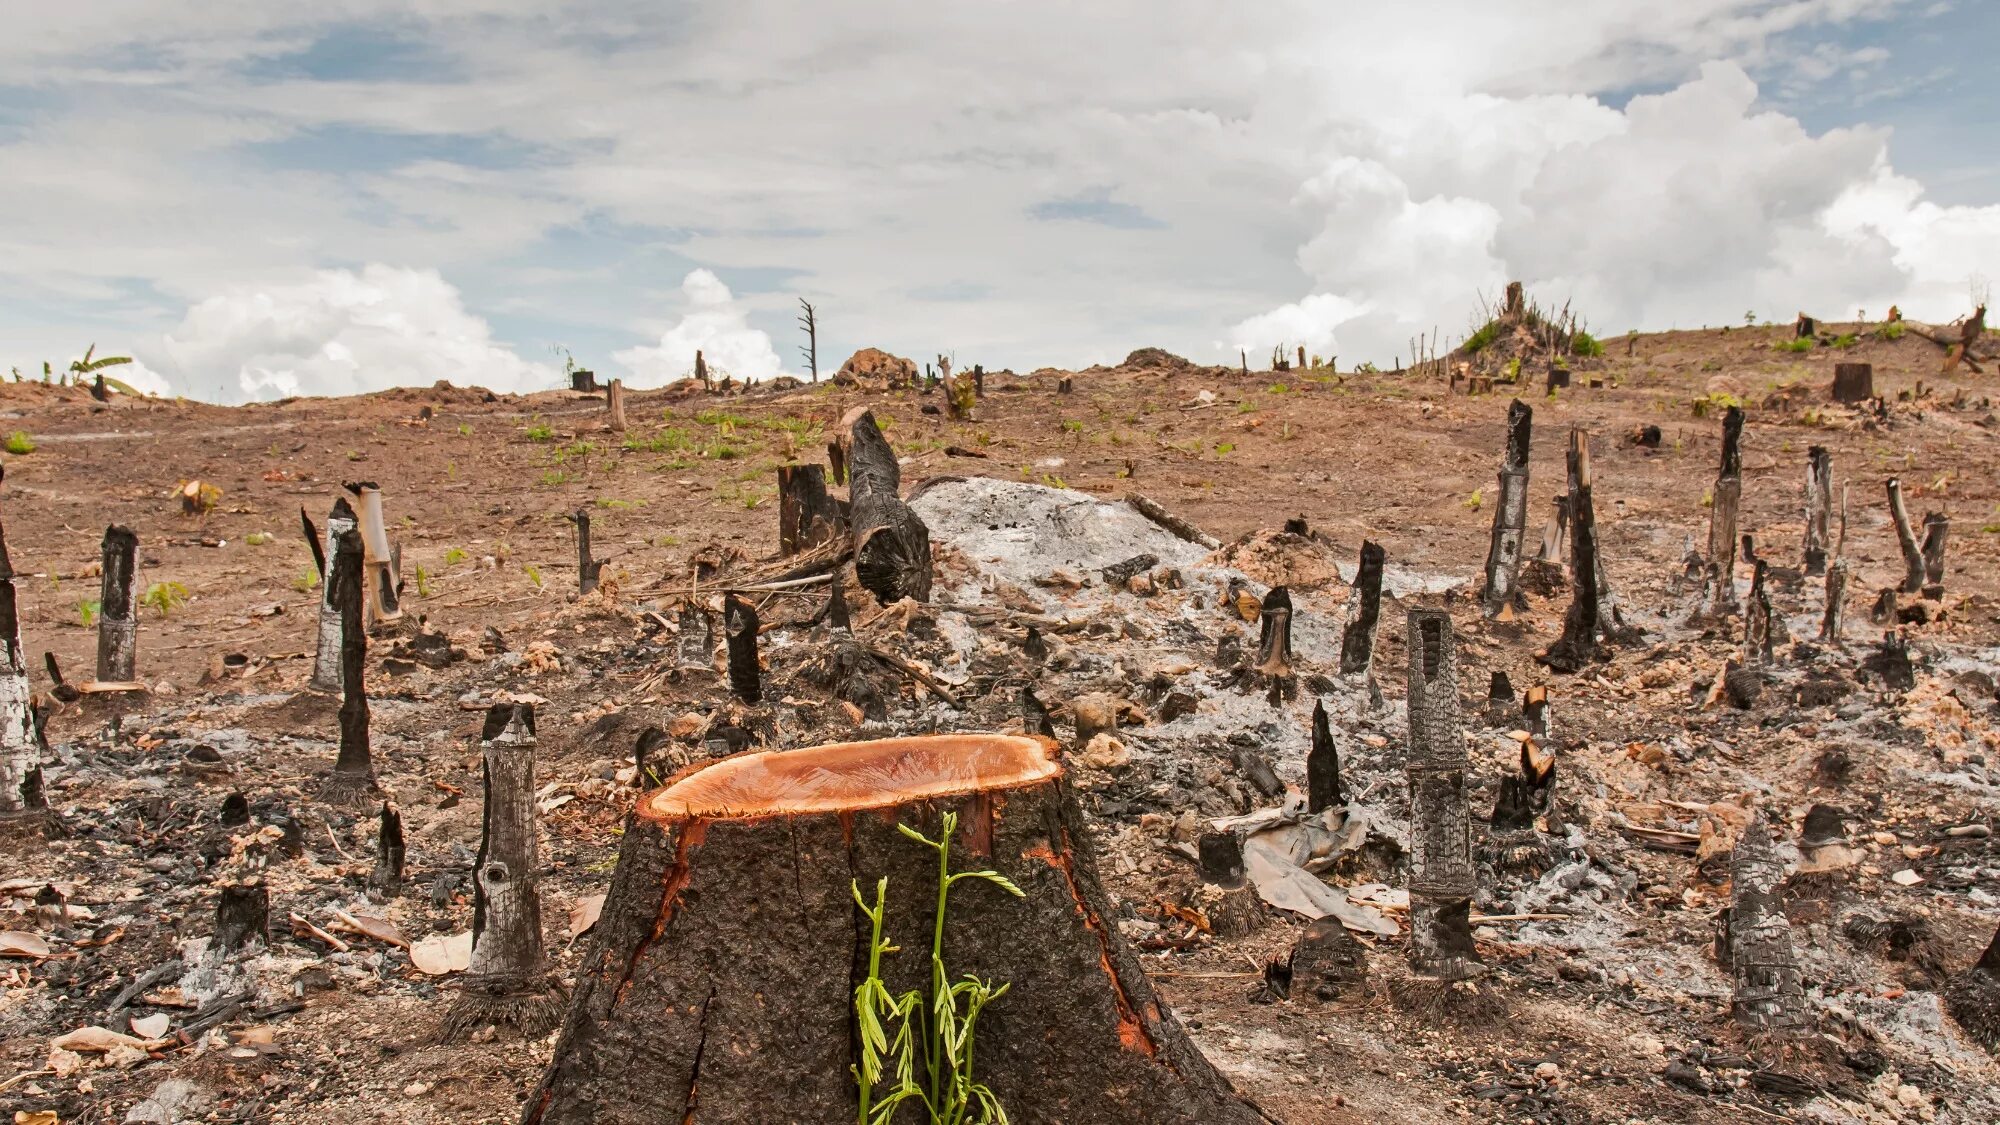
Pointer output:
x,y
1620,1015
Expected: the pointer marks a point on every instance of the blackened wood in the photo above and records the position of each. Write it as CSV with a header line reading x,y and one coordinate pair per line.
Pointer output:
x,y
589,571
326,652
1510,516
892,546
701,370
583,380
1323,788
1256,769
508,981
739,623
1296,525
1853,382
808,515
1175,525
1034,716
1973,997
1906,538
1819,508
695,648
21,798
235,811
836,603
1803,328
1119,573
1526,795
312,541
1441,875
1535,711
118,607
1499,689
1221,857
1357,639
1769,995
722,971
1758,642
1327,963
1274,634
388,874
1578,644
1725,499
1833,618
353,781
1558,378
242,915
645,770
1936,528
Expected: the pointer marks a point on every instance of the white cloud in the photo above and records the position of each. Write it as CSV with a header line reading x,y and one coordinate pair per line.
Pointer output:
x,y
1310,322
340,332
714,324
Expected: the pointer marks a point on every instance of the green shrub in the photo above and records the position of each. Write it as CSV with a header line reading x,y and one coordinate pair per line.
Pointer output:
x,y
20,444
1584,344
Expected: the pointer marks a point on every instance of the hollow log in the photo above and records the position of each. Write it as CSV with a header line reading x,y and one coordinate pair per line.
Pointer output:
x,y
614,404
589,571
1578,644
730,946
1323,788
508,981
380,578
1441,875
739,624
353,780
1833,619
243,915
808,515
892,547
1726,498
326,653
1357,640
1973,997
22,801
388,874
1853,382
1819,508
1763,964
1936,528
1906,538
1510,517
118,607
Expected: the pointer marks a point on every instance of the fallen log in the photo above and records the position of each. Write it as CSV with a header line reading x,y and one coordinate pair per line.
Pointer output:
x,y
892,546
1173,524
709,984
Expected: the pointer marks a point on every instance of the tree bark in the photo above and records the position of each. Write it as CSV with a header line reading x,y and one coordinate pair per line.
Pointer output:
x,y
1758,620
1762,961
1853,382
1819,508
508,981
1323,788
589,571
739,622
1727,497
1441,875
118,607
1578,644
808,515
695,648
1833,619
1274,634
614,403
1913,555
1936,528
892,547
383,598
326,654
22,802
353,780
1174,525
1510,517
730,947
1357,640
1555,534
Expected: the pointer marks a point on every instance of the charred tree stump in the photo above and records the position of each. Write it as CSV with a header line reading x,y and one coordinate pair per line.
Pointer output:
x,y
614,404
583,380
1759,645
1274,644
808,515
726,952
118,607
1323,788
381,582
1357,640
1578,644
243,915
1527,795
694,648
892,547
1555,534
388,874
353,780
739,623
1853,382
1804,328
1510,518
589,571
701,371
508,981
1936,527
1973,997
22,802
1726,498
326,653
1913,554
1441,875
1768,993
1819,508
1833,619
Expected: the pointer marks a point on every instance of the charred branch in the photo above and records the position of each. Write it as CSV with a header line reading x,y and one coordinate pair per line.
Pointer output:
x,y
1221,859
21,797
1578,645
1174,525
243,915
1323,788
388,874
1758,620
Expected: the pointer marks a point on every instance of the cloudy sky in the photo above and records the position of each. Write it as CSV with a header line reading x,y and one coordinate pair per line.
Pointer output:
x,y
260,199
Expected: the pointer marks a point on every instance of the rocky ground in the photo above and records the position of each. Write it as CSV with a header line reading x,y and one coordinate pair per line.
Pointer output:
x,y
1604,1000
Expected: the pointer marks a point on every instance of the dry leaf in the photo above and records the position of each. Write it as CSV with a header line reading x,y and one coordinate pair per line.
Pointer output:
x,y
442,954
17,943
380,929
153,1026
584,914
35,1117
94,1039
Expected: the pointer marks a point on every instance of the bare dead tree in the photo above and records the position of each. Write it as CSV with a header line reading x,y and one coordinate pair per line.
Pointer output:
x,y
118,607
1726,498
1819,508
353,780
809,321
1357,639
326,652
1906,538
508,981
1441,874
1510,517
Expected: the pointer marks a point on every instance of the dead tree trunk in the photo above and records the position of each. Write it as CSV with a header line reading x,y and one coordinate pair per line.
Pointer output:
x,y
1913,555
708,983
1555,534
388,874
1819,508
326,653
1762,962
892,547
808,514
810,322
701,371
1510,517
1758,620
1577,646
1726,498
614,403
1936,527
380,580
508,981
589,571
118,607
353,780
739,623
1833,619
1441,875
1323,788
22,802
1357,640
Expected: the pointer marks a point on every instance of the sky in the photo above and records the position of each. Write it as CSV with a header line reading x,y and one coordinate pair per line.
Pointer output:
x,y
259,200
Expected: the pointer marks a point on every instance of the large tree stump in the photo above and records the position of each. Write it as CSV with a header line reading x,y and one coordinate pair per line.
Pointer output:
x,y
892,547
722,980
326,653
1768,993
22,801
118,607
1853,382
1441,874
1510,517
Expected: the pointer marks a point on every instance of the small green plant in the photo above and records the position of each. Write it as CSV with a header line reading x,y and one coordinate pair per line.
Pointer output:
x,y
1072,426
165,597
306,579
1224,448
86,611
423,581
1846,340
1802,344
1584,344
1483,335
1473,502
453,556
1750,319
465,429
541,432
939,1024
20,444
534,575
1714,402
1514,370
259,538
1893,330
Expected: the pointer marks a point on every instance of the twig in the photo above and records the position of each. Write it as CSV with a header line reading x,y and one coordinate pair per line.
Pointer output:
x,y
929,681
144,981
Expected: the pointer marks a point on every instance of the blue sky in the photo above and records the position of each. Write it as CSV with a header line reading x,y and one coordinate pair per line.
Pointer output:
x,y
256,201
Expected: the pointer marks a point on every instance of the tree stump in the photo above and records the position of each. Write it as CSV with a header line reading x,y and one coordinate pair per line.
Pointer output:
x,y
118,607
22,801
353,781
1357,639
1727,499
381,559
1510,517
808,515
1853,382
722,980
614,405
892,547
1906,539
1819,508
326,653
589,569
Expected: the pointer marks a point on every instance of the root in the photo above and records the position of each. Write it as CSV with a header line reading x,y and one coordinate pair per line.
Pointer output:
x,y
350,791
1463,1003
531,1007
